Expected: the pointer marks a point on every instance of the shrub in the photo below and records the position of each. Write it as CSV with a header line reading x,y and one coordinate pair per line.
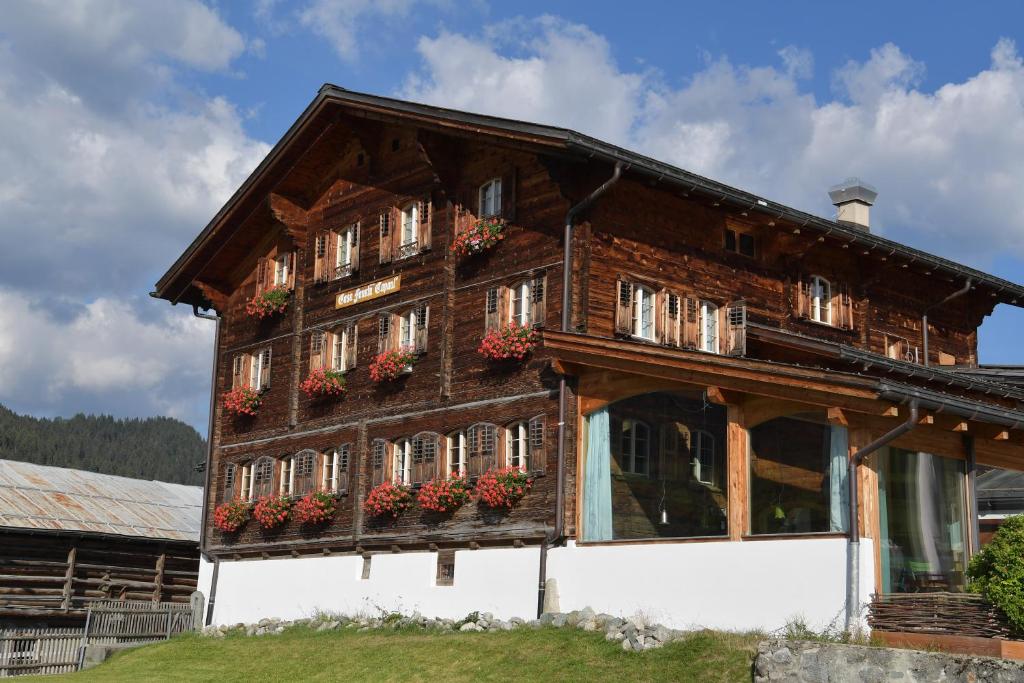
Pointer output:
x,y
390,365
388,499
443,495
324,382
268,302
483,235
272,511
509,342
316,508
504,488
997,572
230,517
243,401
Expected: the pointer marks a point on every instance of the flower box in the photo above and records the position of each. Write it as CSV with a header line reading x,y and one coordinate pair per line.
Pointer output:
x,y
443,495
272,511
504,488
481,236
388,499
243,401
509,342
324,383
315,508
390,365
268,302
230,517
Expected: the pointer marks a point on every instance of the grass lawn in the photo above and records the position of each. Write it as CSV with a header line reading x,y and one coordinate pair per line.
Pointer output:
x,y
547,654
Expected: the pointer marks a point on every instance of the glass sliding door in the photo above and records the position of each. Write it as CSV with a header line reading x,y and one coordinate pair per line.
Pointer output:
x,y
922,515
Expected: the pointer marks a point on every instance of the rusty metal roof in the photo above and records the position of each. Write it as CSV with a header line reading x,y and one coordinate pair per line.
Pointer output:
x,y
59,499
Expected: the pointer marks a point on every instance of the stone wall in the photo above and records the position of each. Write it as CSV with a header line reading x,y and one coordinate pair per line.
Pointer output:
x,y
812,662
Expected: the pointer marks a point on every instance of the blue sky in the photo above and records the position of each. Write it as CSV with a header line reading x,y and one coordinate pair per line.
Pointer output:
x,y
127,124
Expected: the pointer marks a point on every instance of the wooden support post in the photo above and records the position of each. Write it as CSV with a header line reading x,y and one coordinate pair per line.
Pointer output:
x,y
69,576
159,578
738,465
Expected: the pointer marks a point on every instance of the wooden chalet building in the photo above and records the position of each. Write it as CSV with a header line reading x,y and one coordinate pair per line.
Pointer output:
x,y
69,538
712,367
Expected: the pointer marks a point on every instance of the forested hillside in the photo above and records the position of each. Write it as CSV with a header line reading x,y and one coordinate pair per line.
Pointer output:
x,y
158,448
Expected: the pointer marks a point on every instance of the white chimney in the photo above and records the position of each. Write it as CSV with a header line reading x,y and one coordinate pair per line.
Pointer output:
x,y
853,199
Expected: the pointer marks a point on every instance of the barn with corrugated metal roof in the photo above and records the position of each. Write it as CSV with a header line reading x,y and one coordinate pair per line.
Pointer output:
x,y
69,537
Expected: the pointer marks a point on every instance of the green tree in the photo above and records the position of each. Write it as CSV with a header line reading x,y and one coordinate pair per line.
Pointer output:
x,y
997,572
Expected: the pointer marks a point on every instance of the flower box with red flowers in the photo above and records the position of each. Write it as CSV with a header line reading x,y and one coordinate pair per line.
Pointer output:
x,y
443,495
390,365
315,508
504,488
388,499
243,401
324,383
509,342
480,237
268,302
230,517
272,511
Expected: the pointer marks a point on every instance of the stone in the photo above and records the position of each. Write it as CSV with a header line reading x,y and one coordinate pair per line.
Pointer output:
x,y
469,626
638,621
872,674
546,619
627,645
518,621
783,656
589,625
587,613
559,620
629,631
534,623
573,618
638,645
487,616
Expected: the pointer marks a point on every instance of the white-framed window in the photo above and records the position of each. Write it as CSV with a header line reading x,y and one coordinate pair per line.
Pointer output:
x,y
329,474
281,269
522,296
490,198
259,369
702,448
343,251
708,327
407,329
338,352
636,446
457,453
643,312
245,490
403,462
287,483
410,221
517,445
821,300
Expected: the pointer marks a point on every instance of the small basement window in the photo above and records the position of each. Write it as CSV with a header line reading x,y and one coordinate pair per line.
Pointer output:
x,y
445,568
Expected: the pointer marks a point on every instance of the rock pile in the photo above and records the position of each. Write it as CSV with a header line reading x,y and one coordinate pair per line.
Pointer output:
x,y
634,633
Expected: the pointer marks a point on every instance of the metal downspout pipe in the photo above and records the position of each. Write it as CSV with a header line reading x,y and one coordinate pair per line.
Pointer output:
x,y
924,317
209,461
853,555
558,533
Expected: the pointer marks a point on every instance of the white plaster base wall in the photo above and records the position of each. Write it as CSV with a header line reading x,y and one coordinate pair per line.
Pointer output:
x,y
501,581
732,586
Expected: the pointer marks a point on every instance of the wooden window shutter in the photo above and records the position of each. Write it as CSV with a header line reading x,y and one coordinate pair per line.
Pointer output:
x,y
264,268
386,228
424,457
384,332
803,298
660,312
842,307
493,319
292,262
320,261
426,221
538,303
691,322
238,371
420,333
264,378
508,195
354,248
246,370
482,448
671,316
379,456
331,256
317,352
351,344
538,453
623,307
304,472
396,232
344,456
229,482
734,333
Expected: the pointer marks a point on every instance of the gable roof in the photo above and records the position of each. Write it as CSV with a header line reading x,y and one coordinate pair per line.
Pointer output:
x,y
175,284
39,497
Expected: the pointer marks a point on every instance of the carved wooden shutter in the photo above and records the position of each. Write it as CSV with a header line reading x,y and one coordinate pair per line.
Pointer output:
x,y
330,256
660,308
354,247
538,453
317,351
263,269
842,304
320,261
482,448
623,307
734,333
387,332
229,482
386,229
264,378
238,371
803,298
263,477
379,455
426,221
420,333
538,301
691,322
424,457
351,342
292,262
496,312
508,195
671,316
304,472
341,473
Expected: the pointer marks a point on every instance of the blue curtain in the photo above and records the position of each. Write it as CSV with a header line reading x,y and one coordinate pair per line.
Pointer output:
x,y
597,479
839,490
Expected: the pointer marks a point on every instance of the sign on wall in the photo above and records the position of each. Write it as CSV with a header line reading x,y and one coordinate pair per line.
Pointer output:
x,y
373,290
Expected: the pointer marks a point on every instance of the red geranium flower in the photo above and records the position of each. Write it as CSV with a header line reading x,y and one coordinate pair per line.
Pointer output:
x,y
388,499
509,342
230,517
504,488
272,511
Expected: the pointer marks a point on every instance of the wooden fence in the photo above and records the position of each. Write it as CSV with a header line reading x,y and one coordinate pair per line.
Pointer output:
x,y
955,614
113,622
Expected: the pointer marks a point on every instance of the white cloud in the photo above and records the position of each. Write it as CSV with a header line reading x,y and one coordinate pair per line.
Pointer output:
x,y
340,21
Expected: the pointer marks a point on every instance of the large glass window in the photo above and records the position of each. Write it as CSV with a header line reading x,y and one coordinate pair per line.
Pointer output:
x,y
652,469
798,471
923,522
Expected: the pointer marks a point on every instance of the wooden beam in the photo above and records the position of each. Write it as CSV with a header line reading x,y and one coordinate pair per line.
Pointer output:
x,y
69,576
926,419
736,454
891,411
836,416
161,560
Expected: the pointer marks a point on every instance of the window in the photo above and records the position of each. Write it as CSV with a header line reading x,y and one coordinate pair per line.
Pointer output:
x,y
523,303
336,253
405,231
410,220
739,242
702,449
303,470
708,327
335,469
425,448
517,445
490,198
245,490
287,480
445,568
259,374
643,312
457,453
821,300
338,351
343,251
636,444
262,478
520,309
402,463
482,448
378,453
281,265
406,339
335,350
229,481
404,331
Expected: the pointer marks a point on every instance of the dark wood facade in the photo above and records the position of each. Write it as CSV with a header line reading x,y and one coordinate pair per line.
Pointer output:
x,y
351,160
